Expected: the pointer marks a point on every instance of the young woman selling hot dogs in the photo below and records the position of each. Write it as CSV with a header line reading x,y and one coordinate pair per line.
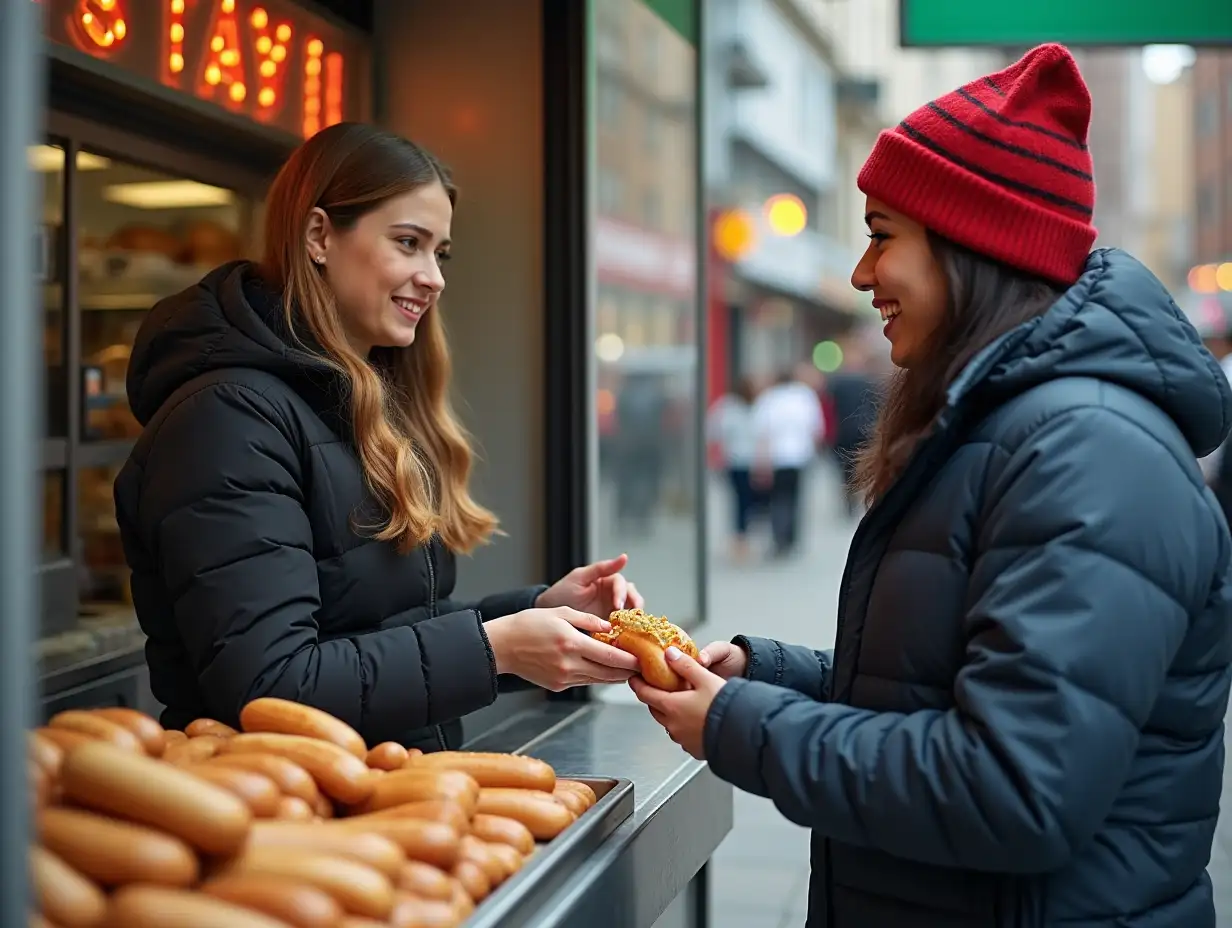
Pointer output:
x,y
294,506
1021,723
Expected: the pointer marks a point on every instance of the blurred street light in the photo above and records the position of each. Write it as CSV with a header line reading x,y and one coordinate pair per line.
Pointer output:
x,y
786,215
734,235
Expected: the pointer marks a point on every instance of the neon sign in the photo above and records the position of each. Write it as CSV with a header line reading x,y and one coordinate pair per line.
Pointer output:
x,y
267,60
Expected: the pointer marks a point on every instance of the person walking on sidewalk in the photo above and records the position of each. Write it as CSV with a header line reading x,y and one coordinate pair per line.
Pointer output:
x,y
788,423
1021,723
294,508
730,433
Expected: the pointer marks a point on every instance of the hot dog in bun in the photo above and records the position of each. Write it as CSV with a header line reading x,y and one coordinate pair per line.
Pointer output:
x,y
647,637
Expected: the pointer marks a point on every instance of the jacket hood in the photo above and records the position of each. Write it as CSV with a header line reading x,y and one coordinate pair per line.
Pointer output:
x,y
1116,324
230,319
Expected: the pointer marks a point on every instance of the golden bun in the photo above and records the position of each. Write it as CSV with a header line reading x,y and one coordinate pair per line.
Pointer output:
x,y
647,637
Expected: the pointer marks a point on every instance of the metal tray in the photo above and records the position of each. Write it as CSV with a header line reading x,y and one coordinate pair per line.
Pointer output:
x,y
519,900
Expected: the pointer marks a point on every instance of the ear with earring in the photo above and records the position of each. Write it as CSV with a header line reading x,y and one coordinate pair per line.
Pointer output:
x,y
319,259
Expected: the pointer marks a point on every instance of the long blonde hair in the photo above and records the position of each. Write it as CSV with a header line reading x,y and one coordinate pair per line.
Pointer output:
x,y
415,455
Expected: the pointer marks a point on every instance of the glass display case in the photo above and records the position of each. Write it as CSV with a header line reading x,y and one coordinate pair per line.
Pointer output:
x,y
117,235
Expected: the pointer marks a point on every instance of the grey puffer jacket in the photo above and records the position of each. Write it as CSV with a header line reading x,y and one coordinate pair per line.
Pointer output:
x,y
1022,721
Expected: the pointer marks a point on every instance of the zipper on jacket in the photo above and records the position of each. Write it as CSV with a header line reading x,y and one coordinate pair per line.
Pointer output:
x,y
436,729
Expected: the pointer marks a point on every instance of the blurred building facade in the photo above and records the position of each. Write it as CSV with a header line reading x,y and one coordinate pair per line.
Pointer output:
x,y
1209,292
777,281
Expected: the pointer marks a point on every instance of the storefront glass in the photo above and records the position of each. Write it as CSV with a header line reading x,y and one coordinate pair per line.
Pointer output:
x,y
645,349
138,235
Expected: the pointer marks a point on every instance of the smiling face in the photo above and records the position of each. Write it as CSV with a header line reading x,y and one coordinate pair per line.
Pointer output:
x,y
385,271
907,282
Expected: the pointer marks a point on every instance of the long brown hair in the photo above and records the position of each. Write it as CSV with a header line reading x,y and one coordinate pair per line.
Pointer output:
x,y
414,453
986,300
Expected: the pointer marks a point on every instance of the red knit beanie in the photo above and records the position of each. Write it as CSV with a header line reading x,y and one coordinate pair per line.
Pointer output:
x,y
999,166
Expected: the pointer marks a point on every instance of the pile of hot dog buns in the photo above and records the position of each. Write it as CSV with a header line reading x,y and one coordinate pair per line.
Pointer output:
x,y
292,823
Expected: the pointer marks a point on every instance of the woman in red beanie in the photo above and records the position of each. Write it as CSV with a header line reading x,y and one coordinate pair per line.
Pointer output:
x,y
1022,721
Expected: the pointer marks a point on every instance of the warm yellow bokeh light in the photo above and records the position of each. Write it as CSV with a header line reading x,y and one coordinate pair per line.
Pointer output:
x,y
1223,276
734,235
1203,278
786,214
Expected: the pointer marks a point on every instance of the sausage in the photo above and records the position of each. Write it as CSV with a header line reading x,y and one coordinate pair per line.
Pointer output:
x,y
492,770
158,907
323,807
542,813
358,888
432,810
410,785
63,894
388,755
510,860
150,792
174,734
497,829
62,738
358,921
96,727
192,750
289,776
582,789
339,775
258,791
471,848
294,809
148,732
44,752
299,904
212,727
432,842
284,717
574,802
425,880
462,902
411,911
113,853
377,852
473,879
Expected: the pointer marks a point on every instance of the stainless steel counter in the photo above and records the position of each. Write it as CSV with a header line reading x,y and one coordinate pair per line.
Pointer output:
x,y
681,813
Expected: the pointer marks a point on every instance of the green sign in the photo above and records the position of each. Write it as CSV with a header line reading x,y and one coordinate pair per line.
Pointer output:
x,y
1072,22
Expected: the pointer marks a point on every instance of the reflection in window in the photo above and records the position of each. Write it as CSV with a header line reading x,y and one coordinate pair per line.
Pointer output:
x,y
645,357
47,163
53,515
142,236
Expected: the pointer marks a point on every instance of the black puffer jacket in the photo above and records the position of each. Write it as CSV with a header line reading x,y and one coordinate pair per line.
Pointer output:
x,y
1022,721
236,510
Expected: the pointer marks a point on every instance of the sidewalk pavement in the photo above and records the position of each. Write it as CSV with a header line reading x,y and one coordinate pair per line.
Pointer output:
x,y
759,876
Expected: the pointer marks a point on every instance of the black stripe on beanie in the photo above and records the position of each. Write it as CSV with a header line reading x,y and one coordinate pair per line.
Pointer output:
x,y
915,134
1020,123
993,84
1008,146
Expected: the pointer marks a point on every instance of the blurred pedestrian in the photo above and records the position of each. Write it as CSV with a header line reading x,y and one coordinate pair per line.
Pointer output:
x,y
788,423
1022,721
730,432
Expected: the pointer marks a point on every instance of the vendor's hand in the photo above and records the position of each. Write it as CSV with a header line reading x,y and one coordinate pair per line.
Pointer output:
x,y
597,588
552,648
683,714
724,659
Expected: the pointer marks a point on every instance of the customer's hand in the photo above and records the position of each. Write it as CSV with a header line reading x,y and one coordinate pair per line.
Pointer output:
x,y
682,714
552,648
724,659
597,588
